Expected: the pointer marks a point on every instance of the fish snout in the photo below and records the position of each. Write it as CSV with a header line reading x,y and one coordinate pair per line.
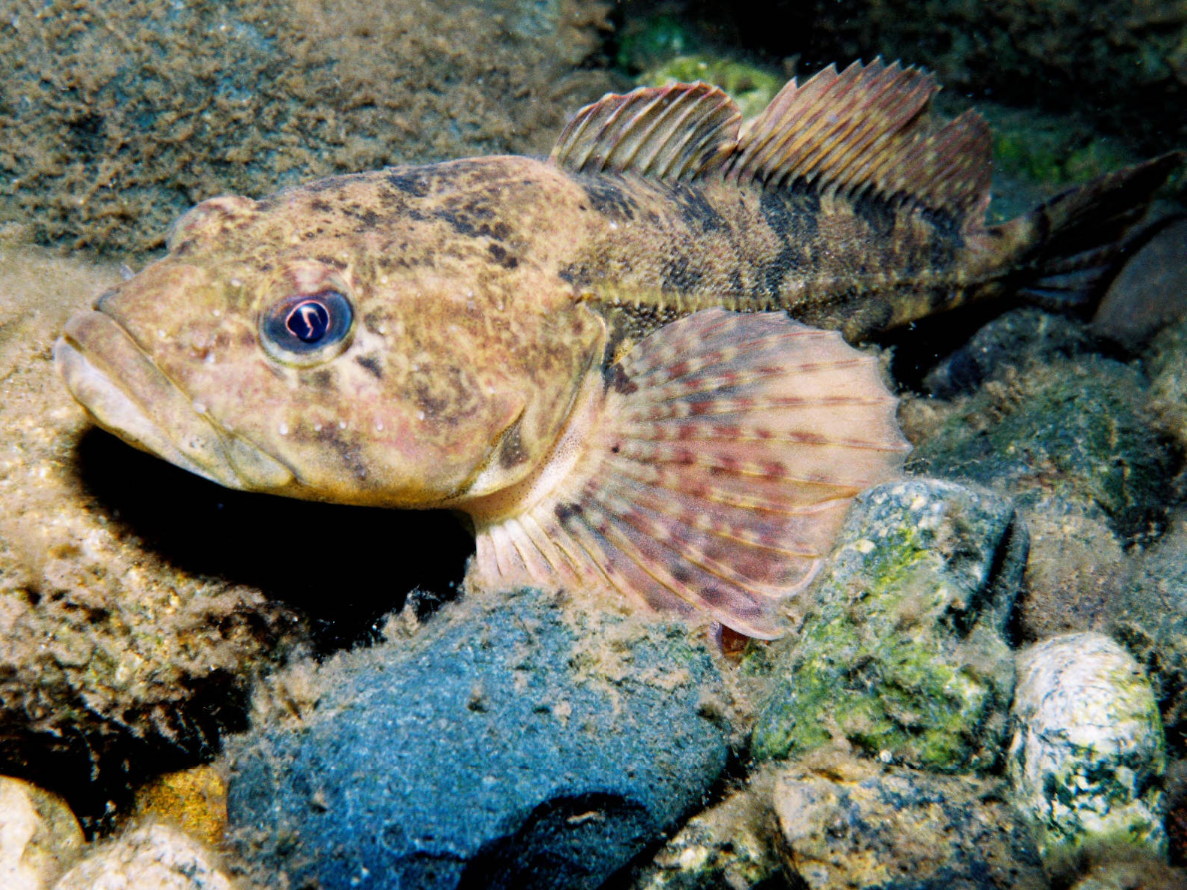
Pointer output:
x,y
127,394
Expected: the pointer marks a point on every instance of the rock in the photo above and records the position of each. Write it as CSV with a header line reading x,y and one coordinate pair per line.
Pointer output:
x,y
1078,430
149,108
1016,339
1167,361
39,836
1075,575
151,857
1087,750
858,825
115,655
902,653
728,845
750,86
1139,875
191,800
1149,293
514,740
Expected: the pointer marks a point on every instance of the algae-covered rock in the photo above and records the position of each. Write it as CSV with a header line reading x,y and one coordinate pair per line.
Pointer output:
x,y
750,86
1167,361
513,739
1073,429
115,118
902,652
1087,750
858,825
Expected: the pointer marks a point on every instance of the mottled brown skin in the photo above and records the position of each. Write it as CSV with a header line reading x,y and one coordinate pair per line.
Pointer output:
x,y
484,291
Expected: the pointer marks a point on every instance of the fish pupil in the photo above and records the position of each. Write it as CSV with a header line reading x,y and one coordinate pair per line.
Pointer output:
x,y
308,321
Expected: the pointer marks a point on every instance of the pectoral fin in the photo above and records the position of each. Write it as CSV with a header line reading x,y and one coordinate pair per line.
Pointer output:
x,y
708,470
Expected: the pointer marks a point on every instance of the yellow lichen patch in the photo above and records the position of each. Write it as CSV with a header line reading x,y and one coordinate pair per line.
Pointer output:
x,y
194,800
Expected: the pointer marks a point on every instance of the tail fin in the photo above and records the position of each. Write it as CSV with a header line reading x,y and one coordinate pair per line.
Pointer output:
x,y
1077,242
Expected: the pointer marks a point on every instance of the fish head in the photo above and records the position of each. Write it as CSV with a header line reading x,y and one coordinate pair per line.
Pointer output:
x,y
270,350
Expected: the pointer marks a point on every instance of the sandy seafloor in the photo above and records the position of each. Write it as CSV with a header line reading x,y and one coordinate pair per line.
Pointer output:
x,y
141,609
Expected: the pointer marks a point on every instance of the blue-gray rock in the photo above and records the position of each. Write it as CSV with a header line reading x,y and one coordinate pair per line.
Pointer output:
x,y
517,742
902,652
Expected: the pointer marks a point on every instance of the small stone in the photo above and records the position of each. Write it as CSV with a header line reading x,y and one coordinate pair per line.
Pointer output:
x,y
855,825
39,836
152,857
1087,750
902,652
1150,292
193,800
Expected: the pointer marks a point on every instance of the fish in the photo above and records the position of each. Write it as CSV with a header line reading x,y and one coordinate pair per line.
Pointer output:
x,y
635,366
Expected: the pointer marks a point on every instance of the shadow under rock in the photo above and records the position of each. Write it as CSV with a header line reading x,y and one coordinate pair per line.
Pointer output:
x,y
343,567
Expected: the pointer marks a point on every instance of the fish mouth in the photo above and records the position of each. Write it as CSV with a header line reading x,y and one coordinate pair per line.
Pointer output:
x,y
128,395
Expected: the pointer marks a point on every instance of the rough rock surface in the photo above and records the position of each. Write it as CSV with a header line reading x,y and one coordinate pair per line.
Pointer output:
x,y
729,845
151,857
1167,362
39,836
515,741
116,118
1077,430
1087,750
902,653
110,653
1148,615
858,825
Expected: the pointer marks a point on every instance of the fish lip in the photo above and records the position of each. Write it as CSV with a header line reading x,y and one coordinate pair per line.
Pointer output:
x,y
127,394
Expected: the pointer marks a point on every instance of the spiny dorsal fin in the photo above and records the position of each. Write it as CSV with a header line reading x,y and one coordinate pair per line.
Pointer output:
x,y
713,477
674,132
866,130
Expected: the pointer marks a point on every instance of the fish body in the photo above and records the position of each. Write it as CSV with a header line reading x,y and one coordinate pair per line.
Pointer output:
x,y
619,361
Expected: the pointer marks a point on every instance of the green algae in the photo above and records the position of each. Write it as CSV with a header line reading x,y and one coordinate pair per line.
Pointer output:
x,y
750,86
903,656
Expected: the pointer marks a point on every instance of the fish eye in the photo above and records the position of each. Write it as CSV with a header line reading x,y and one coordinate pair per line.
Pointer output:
x,y
307,328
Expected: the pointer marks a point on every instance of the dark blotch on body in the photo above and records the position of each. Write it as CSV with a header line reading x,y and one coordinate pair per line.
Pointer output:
x,y
617,380
371,363
610,200
500,256
696,212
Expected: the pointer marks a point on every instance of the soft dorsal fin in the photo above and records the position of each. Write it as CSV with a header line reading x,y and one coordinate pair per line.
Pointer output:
x,y
866,130
674,132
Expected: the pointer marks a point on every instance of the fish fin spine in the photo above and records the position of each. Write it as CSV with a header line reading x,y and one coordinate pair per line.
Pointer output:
x,y
864,130
675,132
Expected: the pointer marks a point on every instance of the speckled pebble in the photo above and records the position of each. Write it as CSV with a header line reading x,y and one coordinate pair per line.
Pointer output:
x,y
39,836
151,857
1087,749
